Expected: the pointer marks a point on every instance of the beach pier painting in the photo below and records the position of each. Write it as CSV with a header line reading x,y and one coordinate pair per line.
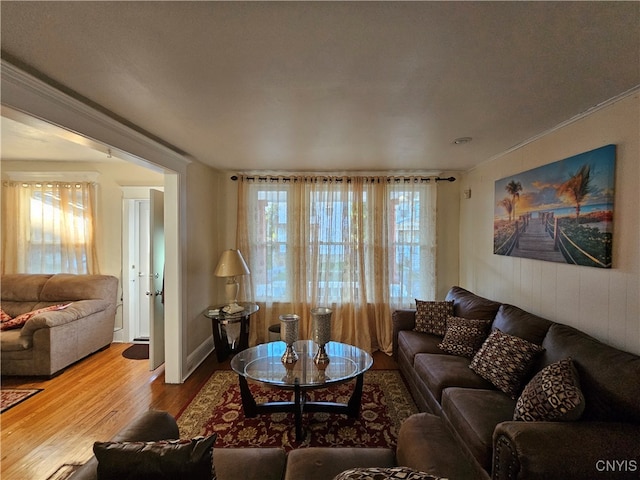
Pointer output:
x,y
560,212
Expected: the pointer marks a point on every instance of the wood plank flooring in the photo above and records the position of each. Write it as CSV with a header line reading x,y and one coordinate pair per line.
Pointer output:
x,y
91,401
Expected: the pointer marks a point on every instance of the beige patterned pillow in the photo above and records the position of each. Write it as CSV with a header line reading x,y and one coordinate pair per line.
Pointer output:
x,y
431,317
505,360
385,473
553,394
464,337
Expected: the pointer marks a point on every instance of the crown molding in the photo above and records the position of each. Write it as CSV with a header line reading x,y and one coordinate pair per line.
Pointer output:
x,y
26,94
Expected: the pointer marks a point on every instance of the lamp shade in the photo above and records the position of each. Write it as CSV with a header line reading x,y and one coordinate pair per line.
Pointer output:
x,y
231,264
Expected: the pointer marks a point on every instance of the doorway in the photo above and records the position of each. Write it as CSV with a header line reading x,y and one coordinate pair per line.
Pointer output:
x,y
143,270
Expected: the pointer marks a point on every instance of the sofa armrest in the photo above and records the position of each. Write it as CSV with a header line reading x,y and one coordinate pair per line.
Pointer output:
x,y
402,319
75,310
151,426
537,450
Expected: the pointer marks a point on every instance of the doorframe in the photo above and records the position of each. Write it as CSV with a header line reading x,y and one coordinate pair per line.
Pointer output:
x,y
30,100
129,196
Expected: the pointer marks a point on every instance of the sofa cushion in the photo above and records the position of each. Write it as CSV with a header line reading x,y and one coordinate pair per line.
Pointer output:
x,y
165,459
469,305
426,444
505,361
464,336
609,378
431,317
553,394
411,343
473,415
322,463
519,323
265,463
382,473
441,371
12,341
23,287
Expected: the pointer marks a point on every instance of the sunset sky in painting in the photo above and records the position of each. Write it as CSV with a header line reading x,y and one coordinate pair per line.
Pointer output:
x,y
539,185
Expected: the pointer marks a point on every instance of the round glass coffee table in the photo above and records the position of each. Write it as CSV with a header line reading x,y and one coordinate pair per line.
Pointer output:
x,y
262,364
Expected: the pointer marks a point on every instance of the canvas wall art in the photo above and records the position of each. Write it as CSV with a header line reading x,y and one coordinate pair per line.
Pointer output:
x,y
560,212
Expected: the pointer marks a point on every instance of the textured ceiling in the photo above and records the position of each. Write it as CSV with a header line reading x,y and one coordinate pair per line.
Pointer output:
x,y
332,85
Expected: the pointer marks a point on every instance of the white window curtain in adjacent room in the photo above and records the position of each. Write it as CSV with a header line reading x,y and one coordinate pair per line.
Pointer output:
x,y
362,246
48,227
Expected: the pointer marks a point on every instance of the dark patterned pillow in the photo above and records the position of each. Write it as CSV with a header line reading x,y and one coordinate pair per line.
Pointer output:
x,y
431,317
4,316
505,360
382,473
464,337
163,460
553,394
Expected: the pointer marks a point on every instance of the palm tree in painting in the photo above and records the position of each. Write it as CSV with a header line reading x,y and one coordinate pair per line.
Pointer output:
x,y
507,204
577,187
514,188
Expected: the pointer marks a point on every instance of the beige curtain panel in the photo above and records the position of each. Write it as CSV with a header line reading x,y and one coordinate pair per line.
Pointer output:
x,y
48,227
361,246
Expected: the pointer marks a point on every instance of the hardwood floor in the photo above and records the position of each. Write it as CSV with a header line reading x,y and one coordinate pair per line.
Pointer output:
x,y
88,402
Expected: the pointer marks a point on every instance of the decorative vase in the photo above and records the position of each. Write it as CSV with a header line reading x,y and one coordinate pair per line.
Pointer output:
x,y
289,335
321,324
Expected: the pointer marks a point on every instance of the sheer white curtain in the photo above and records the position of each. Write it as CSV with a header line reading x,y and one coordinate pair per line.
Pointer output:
x,y
48,227
362,246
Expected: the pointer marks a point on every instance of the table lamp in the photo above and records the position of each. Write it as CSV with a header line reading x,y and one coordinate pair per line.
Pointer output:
x,y
230,265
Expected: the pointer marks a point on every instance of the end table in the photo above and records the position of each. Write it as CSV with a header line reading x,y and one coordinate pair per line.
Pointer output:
x,y
230,330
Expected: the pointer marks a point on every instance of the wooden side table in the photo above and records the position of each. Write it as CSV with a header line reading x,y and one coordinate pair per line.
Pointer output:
x,y
230,330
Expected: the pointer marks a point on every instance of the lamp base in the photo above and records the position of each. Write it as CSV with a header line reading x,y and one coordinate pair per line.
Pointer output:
x,y
231,291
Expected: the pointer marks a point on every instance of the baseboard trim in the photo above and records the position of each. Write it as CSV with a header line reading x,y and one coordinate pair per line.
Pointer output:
x,y
195,358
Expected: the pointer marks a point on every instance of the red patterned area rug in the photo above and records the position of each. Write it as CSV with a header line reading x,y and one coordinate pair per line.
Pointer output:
x,y
10,397
217,408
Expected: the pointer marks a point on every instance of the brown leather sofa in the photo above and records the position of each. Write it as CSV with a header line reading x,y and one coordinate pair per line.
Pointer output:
x,y
50,341
603,443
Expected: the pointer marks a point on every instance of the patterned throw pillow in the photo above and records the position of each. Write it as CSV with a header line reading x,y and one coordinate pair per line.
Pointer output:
x,y
464,337
388,473
192,459
431,317
20,320
4,316
505,360
553,394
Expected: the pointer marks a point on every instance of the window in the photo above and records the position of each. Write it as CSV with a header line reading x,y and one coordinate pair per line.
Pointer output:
x,y
48,227
344,235
361,246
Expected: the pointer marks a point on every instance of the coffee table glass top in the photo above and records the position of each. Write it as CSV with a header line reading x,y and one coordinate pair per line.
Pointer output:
x,y
262,363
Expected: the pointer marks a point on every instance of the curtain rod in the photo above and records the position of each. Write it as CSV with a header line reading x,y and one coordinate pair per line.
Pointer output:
x,y
339,179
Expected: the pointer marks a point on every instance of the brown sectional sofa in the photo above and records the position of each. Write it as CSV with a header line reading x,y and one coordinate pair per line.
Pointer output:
x,y
50,341
252,463
603,443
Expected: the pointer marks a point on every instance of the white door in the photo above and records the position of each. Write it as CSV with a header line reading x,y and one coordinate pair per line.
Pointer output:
x,y
156,291
141,303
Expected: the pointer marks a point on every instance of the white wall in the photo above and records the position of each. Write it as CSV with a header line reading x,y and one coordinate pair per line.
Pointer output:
x,y
601,302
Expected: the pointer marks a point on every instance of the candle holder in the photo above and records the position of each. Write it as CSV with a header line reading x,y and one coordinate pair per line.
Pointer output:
x,y
321,324
289,335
